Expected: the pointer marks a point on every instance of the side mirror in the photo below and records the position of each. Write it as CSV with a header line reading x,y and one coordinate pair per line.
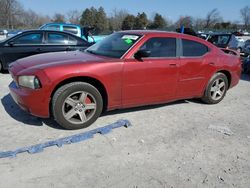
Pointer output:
x,y
11,43
142,53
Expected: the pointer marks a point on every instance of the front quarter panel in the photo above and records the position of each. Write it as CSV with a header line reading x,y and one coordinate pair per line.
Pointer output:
x,y
108,73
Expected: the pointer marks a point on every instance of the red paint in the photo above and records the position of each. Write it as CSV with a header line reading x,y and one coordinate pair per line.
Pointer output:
x,y
128,82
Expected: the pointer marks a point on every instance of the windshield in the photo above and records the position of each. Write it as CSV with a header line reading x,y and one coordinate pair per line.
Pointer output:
x,y
115,45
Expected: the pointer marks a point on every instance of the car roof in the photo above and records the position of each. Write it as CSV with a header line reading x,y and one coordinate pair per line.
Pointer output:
x,y
58,23
39,30
143,32
164,33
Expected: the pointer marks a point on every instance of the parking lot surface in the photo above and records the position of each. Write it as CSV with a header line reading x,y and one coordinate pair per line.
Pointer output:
x,y
181,144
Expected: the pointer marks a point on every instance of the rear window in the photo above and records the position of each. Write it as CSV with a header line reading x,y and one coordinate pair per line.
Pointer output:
x,y
193,48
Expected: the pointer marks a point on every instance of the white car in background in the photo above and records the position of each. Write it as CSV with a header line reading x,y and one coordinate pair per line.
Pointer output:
x,y
3,34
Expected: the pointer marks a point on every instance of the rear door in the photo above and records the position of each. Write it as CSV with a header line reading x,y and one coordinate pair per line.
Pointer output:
x,y
22,46
193,69
56,42
153,79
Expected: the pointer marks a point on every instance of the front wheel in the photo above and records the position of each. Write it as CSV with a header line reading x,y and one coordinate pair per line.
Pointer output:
x,y
216,89
77,105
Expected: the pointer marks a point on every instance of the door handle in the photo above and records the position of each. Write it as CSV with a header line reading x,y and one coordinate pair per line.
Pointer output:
x,y
172,64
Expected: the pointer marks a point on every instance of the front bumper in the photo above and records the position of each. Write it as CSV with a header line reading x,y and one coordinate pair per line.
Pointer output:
x,y
32,101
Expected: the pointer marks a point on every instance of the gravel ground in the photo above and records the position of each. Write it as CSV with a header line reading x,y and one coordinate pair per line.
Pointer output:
x,y
181,144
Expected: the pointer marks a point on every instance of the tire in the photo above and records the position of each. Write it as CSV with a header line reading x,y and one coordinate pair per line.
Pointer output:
x,y
76,105
216,89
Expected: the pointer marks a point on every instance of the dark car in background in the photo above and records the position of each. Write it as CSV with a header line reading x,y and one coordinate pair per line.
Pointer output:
x,y
35,42
246,65
223,40
246,48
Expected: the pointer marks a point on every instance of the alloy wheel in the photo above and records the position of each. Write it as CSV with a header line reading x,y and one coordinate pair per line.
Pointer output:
x,y
79,107
218,89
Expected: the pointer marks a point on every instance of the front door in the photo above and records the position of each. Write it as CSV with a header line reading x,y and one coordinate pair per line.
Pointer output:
x,y
152,79
23,46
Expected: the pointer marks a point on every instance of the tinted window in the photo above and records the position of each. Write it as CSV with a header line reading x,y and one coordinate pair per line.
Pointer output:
x,y
56,38
160,47
70,29
192,48
33,38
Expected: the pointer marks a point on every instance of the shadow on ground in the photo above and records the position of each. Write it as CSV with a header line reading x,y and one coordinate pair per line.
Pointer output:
x,y
18,114
4,72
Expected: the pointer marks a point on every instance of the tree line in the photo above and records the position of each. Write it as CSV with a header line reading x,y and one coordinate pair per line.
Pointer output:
x,y
14,16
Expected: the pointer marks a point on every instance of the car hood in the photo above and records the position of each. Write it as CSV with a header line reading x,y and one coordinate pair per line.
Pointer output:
x,y
58,58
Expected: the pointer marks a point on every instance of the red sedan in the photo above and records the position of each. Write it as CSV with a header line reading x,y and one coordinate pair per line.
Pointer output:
x,y
126,69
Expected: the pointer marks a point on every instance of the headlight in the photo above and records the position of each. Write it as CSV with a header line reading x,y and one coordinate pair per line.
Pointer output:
x,y
31,82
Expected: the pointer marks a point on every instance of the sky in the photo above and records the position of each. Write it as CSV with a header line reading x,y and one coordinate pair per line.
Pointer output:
x,y
171,9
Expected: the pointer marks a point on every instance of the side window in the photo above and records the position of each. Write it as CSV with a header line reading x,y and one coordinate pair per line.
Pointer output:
x,y
55,38
70,29
192,48
160,47
33,38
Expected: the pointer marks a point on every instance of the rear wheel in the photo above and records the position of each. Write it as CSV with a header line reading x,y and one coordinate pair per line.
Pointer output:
x,y
76,105
216,89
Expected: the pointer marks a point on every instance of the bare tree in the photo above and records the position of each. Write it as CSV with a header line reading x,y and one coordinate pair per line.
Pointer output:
x,y
59,18
73,16
199,23
30,19
10,11
116,19
212,18
245,14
